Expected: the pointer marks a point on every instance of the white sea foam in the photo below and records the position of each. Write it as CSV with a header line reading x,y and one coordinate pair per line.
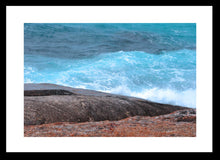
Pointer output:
x,y
167,78
185,98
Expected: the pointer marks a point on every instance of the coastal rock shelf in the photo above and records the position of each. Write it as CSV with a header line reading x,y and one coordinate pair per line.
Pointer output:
x,y
181,123
49,103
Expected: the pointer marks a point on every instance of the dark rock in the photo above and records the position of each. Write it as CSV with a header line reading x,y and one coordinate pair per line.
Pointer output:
x,y
46,92
49,103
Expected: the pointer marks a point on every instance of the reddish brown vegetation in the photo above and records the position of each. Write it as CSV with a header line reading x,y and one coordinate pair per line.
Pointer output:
x,y
180,123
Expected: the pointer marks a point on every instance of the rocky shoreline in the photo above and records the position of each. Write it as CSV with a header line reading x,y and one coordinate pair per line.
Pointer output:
x,y
54,110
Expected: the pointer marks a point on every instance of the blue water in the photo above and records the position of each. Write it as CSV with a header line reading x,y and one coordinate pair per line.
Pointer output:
x,y
152,61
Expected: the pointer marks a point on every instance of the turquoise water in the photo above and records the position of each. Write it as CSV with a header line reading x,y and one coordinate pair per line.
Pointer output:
x,y
151,61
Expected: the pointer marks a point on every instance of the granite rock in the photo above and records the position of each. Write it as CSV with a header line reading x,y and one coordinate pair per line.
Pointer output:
x,y
49,103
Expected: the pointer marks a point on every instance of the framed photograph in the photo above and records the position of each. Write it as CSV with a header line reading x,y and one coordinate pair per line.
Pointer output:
x,y
109,78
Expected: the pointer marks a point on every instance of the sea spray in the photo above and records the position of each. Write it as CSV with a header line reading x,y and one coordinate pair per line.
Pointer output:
x,y
164,78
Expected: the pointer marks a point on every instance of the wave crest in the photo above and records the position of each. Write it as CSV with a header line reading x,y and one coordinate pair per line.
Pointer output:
x,y
168,78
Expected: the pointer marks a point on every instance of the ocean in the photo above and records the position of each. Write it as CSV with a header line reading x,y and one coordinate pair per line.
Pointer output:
x,y
153,61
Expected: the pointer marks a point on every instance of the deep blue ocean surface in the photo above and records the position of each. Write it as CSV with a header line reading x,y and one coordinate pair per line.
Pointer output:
x,y
154,61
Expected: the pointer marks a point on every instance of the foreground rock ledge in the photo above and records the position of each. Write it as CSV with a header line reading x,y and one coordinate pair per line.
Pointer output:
x,y
49,103
180,123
